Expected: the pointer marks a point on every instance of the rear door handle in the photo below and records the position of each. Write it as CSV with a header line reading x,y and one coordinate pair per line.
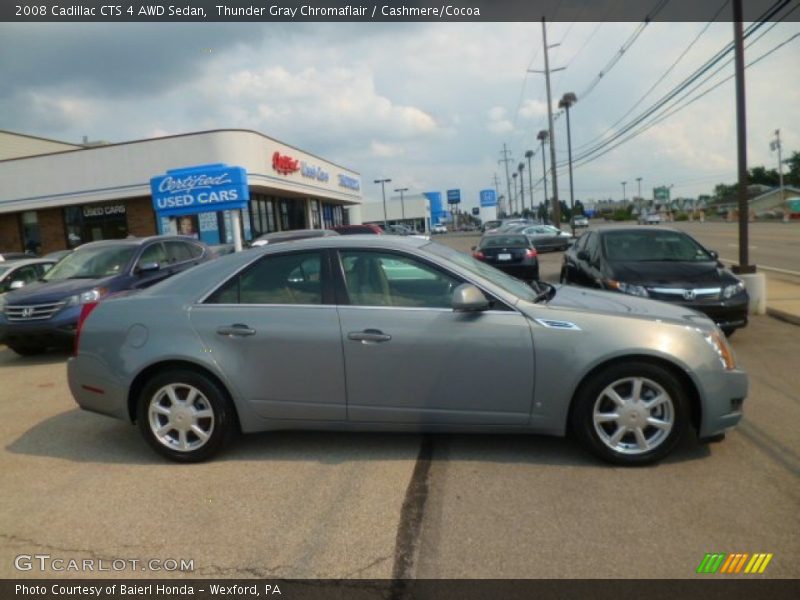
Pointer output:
x,y
369,336
237,329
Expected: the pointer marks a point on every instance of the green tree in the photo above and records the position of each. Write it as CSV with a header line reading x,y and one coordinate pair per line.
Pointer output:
x,y
793,176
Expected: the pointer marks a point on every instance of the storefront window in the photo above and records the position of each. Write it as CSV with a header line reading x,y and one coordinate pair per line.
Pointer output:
x,y
315,221
31,235
73,223
262,211
93,222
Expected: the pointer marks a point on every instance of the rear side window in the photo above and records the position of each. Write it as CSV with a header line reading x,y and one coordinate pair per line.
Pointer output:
x,y
283,279
178,252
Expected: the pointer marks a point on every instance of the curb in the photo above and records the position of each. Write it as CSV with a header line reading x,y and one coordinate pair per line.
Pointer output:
x,y
784,316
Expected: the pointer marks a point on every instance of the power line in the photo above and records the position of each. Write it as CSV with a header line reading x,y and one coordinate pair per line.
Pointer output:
x,y
677,109
680,87
660,79
624,48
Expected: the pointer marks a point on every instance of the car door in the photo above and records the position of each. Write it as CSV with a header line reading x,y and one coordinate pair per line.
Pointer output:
x,y
409,358
274,331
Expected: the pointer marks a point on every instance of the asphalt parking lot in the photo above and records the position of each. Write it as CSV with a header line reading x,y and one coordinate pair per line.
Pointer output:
x,y
82,486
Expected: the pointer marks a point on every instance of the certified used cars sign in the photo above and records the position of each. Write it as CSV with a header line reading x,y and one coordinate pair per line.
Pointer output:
x,y
200,189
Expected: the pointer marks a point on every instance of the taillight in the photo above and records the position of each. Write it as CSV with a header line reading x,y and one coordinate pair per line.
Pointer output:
x,y
479,255
86,310
530,253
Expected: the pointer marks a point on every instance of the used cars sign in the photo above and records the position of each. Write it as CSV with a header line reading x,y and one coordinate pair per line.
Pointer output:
x,y
200,189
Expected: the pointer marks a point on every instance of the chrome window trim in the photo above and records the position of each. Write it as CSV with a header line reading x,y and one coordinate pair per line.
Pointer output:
x,y
243,304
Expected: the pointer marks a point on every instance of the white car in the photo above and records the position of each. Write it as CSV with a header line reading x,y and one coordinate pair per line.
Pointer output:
x,y
651,219
439,228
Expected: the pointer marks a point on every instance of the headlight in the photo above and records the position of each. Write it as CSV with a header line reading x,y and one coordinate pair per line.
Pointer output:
x,y
90,296
627,288
717,341
733,289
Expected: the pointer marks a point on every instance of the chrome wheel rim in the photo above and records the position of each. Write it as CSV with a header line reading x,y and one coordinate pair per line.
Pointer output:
x,y
181,417
633,415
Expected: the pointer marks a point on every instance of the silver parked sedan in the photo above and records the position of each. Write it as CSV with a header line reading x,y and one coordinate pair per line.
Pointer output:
x,y
401,334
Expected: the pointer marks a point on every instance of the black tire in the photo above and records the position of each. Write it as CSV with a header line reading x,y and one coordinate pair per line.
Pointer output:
x,y
599,438
728,331
220,425
27,349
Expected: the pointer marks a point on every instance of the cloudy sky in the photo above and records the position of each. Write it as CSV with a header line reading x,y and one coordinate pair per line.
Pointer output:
x,y
429,105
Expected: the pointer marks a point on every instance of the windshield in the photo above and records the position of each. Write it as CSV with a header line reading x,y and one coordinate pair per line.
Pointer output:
x,y
503,241
92,263
513,286
652,246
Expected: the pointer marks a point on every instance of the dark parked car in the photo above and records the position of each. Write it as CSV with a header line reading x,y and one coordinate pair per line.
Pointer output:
x,y
45,313
292,234
358,229
545,237
662,264
16,274
511,253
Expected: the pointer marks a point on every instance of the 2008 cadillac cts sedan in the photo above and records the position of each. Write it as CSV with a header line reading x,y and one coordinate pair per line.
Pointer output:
x,y
399,334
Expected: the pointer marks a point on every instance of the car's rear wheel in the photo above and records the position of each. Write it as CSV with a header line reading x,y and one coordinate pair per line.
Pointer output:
x,y
27,349
185,416
631,414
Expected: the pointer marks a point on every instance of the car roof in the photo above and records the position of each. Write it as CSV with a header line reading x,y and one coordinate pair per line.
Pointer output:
x,y
20,262
617,229
136,241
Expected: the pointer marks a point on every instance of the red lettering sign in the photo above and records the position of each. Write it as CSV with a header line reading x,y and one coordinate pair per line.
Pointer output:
x,y
285,165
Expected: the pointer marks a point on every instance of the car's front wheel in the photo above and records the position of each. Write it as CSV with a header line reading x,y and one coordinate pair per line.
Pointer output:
x,y
185,416
631,414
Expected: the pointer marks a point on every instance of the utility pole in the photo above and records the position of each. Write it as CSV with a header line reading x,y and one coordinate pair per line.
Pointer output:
x,y
744,265
507,160
521,168
776,145
514,200
639,183
624,198
542,136
529,155
547,71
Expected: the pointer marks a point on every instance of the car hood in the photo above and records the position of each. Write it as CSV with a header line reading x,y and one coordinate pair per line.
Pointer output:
x,y
42,292
670,273
614,303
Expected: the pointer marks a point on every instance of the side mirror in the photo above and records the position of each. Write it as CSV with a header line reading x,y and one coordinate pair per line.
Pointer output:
x,y
714,254
17,284
148,267
468,298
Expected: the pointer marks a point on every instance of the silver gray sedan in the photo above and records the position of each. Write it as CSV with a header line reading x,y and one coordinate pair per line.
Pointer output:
x,y
384,333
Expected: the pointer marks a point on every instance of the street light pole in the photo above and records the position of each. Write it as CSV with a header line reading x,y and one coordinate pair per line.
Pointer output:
x,y
383,183
528,155
639,183
567,100
402,204
514,201
542,136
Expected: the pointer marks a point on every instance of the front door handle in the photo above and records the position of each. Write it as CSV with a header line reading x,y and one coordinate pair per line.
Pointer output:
x,y
237,329
369,336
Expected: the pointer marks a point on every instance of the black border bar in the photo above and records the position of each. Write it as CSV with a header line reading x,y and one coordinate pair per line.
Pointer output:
x,y
40,11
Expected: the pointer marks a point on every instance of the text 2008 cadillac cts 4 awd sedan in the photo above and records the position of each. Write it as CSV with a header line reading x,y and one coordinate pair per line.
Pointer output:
x,y
401,334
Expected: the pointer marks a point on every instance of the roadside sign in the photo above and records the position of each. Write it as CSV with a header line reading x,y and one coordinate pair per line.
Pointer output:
x,y
488,198
454,196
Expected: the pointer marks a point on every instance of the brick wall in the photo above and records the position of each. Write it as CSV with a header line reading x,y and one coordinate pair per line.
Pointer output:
x,y
141,217
51,228
10,240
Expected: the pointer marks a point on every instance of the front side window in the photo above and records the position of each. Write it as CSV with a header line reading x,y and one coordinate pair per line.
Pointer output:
x,y
92,263
283,279
388,279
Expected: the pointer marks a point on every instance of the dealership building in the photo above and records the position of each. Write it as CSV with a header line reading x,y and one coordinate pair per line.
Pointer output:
x,y
56,195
